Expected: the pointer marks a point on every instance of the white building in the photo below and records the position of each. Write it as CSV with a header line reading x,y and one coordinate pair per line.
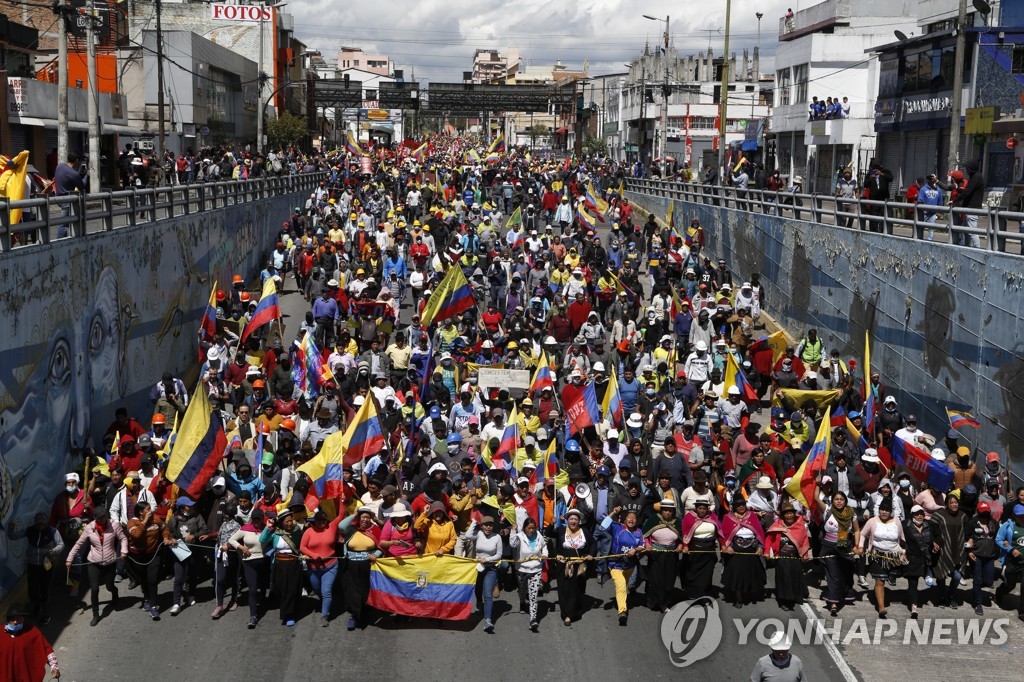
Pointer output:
x,y
369,119
821,53
632,125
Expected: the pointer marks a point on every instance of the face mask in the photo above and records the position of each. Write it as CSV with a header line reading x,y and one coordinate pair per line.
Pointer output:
x,y
453,448
904,484
11,627
650,391
71,489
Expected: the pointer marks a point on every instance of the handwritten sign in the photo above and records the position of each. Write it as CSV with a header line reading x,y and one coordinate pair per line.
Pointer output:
x,y
507,378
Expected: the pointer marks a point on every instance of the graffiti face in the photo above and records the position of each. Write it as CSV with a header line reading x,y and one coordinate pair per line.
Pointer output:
x,y
937,328
83,365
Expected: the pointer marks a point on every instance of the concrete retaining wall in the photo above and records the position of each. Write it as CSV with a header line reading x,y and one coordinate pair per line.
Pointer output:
x,y
945,321
90,324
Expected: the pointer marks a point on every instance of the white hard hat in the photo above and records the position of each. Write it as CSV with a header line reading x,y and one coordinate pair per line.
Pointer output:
x,y
702,345
488,344
612,433
780,642
550,340
598,366
733,390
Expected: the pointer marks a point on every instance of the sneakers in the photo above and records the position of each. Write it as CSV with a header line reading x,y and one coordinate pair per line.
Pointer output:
x,y
930,581
118,578
324,622
523,607
289,623
188,600
252,623
145,606
913,612
351,624
176,609
533,626
154,613
488,627
132,583
863,582
623,619
218,611
978,610
94,622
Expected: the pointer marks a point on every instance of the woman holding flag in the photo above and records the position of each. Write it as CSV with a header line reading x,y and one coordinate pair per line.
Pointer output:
x,y
361,543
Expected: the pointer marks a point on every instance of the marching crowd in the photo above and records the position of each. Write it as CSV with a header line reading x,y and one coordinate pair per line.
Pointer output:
x,y
665,440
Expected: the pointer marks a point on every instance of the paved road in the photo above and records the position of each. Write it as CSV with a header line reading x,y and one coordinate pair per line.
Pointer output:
x,y
128,646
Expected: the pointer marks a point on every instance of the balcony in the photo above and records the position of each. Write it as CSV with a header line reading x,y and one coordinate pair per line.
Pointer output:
x,y
816,18
838,131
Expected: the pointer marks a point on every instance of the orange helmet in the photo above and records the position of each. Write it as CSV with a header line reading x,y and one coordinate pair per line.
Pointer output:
x,y
237,279
288,424
264,427
159,419
258,384
244,297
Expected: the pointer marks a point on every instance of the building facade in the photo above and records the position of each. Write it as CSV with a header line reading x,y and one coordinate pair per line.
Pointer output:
x,y
913,113
821,55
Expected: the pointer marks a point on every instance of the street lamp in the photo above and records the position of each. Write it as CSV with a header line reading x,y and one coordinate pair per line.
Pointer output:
x,y
757,61
723,105
665,88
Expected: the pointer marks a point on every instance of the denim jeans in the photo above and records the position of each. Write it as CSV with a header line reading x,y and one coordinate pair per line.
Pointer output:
x,y
488,579
602,546
984,576
949,591
322,580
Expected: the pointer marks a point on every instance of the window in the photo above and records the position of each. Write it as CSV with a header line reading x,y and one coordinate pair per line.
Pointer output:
x,y
1017,64
800,81
782,87
888,78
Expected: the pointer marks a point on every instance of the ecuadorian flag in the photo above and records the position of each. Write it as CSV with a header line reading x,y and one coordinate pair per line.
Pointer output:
x,y
806,479
452,296
198,447
543,377
267,310
958,419
424,587
612,404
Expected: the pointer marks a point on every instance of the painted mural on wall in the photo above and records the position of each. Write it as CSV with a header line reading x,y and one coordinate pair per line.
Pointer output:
x,y
945,321
90,326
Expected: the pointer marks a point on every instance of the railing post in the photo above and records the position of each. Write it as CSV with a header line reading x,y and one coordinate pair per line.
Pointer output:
x,y
5,223
107,202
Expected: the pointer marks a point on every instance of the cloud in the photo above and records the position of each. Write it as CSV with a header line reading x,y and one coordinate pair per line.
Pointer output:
x,y
437,38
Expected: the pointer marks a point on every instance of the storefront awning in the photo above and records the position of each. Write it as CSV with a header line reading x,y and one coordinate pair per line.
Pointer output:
x,y
1008,125
47,123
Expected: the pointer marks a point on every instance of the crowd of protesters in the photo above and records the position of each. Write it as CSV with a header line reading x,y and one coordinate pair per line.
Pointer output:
x,y
687,468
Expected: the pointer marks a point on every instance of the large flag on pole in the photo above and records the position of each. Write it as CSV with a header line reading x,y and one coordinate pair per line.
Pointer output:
x,y
581,408
198,447
958,419
542,377
352,145
813,467
452,296
266,310
870,406
734,377
208,325
611,406
921,464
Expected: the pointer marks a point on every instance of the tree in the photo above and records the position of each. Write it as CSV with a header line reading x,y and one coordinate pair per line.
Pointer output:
x,y
592,144
286,130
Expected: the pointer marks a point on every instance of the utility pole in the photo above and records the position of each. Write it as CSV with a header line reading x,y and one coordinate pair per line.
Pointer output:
x,y
643,110
94,118
62,82
723,106
665,94
958,86
259,85
161,130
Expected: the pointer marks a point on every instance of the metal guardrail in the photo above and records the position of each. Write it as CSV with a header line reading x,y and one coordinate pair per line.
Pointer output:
x,y
914,221
67,217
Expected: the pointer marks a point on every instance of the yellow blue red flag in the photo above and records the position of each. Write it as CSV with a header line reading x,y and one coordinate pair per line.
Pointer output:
x,y
424,587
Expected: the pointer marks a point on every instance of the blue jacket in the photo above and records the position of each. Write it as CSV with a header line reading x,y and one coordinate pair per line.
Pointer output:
x,y
623,539
1004,539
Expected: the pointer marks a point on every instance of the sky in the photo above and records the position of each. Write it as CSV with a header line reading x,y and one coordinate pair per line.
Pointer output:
x,y
436,39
